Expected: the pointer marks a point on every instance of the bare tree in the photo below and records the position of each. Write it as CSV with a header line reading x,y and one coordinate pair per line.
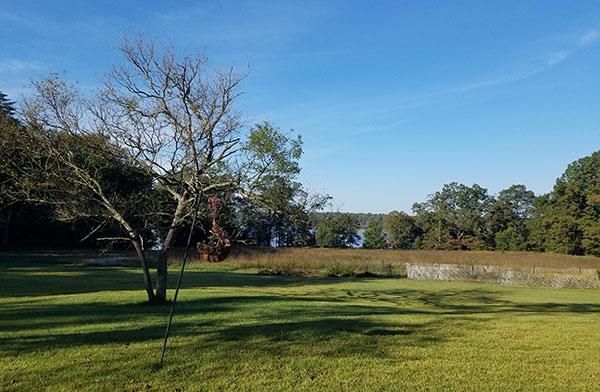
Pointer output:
x,y
170,119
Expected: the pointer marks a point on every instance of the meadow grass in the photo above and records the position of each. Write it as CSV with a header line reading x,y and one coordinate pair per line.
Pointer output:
x,y
321,261
68,327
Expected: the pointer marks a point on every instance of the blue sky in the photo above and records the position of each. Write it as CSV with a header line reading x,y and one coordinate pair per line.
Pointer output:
x,y
393,99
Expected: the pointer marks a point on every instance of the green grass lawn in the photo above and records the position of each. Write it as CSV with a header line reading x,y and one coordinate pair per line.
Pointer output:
x,y
68,327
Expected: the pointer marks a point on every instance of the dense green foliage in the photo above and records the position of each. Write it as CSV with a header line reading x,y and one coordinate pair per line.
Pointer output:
x,y
363,218
68,327
508,218
402,231
453,217
374,237
568,219
337,231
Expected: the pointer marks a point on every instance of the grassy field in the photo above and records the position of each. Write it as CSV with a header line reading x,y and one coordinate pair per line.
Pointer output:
x,y
318,261
68,327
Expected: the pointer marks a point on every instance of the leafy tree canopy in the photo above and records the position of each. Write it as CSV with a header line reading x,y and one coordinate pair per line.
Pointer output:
x,y
337,231
374,237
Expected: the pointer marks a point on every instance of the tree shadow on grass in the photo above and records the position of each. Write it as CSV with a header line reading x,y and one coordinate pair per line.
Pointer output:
x,y
275,332
467,301
68,279
270,322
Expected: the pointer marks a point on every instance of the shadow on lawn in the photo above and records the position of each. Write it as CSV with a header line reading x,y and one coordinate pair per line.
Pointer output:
x,y
69,279
332,321
287,321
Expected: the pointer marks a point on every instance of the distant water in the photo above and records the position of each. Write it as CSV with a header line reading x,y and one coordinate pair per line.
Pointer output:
x,y
359,244
361,239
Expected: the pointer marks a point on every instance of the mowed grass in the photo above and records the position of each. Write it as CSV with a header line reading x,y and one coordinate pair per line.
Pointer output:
x,y
68,327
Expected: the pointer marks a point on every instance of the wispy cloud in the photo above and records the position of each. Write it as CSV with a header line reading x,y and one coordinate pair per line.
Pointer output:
x,y
15,65
556,58
551,60
591,37
394,109
372,129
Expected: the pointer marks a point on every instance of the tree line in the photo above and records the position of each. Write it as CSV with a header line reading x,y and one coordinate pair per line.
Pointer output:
x,y
461,217
363,218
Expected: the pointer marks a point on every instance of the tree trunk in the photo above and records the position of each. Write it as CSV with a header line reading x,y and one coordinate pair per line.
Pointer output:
x,y
162,272
270,235
137,244
161,276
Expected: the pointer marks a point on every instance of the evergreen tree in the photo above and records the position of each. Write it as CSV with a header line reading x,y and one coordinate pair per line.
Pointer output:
x,y
7,107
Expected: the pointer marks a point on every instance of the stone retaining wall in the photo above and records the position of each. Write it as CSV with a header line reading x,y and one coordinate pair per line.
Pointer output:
x,y
534,276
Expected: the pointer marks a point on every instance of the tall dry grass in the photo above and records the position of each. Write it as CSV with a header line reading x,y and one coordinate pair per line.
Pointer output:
x,y
392,262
